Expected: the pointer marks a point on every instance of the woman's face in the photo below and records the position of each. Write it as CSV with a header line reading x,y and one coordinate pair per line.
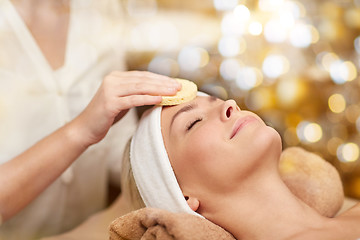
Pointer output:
x,y
213,145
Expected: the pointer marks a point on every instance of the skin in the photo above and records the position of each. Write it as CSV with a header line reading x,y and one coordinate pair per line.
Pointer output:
x,y
48,22
24,177
118,92
218,117
235,182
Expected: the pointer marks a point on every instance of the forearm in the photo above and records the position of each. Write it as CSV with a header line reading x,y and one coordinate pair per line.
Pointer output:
x,y
23,178
27,175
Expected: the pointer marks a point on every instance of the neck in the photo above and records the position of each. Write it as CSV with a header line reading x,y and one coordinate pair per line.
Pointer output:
x,y
263,208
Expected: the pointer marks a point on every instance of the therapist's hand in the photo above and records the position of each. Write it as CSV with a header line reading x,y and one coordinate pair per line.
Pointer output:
x,y
119,92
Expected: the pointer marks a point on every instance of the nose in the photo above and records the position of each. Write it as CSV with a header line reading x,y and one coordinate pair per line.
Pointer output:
x,y
228,109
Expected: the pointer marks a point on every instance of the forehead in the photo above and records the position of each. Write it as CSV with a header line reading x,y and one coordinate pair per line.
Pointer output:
x,y
199,100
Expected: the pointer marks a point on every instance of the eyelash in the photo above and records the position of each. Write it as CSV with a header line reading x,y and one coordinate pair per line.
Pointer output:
x,y
193,123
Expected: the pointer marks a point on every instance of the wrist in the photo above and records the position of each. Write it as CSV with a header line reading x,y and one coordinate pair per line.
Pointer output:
x,y
76,135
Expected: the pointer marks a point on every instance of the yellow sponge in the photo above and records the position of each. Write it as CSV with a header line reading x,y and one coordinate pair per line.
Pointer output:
x,y
187,93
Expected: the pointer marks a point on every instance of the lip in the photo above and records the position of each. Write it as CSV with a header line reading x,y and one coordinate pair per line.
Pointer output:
x,y
241,123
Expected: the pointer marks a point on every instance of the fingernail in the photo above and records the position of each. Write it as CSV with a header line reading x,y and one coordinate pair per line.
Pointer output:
x,y
177,84
173,81
174,86
171,89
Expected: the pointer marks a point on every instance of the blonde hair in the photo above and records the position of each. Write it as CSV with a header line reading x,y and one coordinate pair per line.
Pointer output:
x,y
128,184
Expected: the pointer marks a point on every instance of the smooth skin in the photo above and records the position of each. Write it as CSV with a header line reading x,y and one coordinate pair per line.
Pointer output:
x,y
233,180
24,177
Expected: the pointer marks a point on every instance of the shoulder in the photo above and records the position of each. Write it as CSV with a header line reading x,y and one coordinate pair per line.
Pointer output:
x,y
334,229
344,226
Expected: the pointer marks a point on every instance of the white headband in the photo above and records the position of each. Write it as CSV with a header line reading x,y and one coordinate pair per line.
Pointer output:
x,y
153,174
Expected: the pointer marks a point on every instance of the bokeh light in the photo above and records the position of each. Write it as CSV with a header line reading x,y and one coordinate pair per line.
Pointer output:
x,y
165,66
275,32
296,8
255,28
192,58
325,59
270,5
248,78
309,132
342,71
275,65
290,91
229,68
242,13
301,36
348,152
222,5
231,46
231,26
337,103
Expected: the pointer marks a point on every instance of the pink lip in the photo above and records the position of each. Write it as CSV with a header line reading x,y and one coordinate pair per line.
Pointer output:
x,y
240,123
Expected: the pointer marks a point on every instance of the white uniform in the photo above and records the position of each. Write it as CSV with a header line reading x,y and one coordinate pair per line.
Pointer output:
x,y
36,100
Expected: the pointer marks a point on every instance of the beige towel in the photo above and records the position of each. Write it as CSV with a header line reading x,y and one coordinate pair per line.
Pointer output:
x,y
152,223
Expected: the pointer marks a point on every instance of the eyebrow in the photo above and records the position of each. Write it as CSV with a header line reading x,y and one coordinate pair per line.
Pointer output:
x,y
188,108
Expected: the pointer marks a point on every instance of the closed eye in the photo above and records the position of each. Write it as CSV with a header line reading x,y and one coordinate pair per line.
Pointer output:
x,y
192,124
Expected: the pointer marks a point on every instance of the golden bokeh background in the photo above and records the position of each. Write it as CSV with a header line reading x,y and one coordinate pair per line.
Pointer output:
x,y
295,63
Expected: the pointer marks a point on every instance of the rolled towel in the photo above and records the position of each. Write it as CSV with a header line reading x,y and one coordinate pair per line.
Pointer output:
x,y
312,179
153,174
152,223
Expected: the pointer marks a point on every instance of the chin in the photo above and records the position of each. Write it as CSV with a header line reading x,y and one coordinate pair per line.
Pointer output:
x,y
263,152
271,142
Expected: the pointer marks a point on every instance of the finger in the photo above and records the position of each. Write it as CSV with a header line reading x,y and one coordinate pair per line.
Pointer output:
x,y
140,74
142,88
136,83
146,81
137,100
146,76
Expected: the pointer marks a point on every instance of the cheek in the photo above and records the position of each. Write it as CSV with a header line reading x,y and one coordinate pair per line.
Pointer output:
x,y
204,144
220,165
208,161
203,158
